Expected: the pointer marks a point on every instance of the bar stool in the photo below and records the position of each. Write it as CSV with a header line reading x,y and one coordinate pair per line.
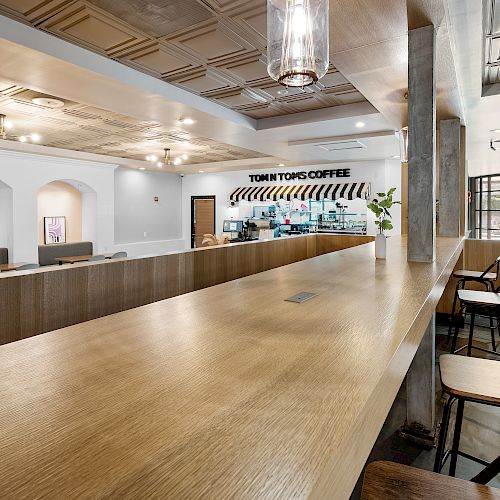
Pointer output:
x,y
475,302
465,379
464,276
392,481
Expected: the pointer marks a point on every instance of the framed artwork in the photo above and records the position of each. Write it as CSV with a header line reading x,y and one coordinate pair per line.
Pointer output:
x,y
54,229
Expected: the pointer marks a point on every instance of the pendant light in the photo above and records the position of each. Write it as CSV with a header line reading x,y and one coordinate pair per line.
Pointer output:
x,y
297,41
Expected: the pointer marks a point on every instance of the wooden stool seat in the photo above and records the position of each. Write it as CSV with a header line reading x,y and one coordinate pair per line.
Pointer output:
x,y
392,481
472,275
479,297
471,378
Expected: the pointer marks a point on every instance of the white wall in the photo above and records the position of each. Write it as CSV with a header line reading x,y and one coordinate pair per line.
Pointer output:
x,y
6,221
141,223
27,173
380,174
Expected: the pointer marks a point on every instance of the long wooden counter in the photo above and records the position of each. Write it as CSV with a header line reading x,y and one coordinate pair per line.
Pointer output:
x,y
226,392
41,300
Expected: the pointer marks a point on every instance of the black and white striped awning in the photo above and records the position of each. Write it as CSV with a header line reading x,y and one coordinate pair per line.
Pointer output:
x,y
347,191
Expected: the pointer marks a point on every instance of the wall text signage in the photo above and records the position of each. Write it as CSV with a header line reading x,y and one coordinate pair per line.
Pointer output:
x,y
292,176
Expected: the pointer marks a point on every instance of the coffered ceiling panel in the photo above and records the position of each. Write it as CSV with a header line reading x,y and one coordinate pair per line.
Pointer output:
x,y
157,18
85,128
214,48
158,59
89,26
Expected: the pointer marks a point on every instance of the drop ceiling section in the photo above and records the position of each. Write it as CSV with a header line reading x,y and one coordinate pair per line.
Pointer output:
x,y
492,42
213,48
79,127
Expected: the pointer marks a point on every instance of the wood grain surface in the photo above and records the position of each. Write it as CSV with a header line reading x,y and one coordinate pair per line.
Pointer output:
x,y
226,392
38,301
469,377
391,481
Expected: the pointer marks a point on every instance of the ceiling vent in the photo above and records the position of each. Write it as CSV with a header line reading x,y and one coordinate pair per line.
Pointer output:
x,y
341,145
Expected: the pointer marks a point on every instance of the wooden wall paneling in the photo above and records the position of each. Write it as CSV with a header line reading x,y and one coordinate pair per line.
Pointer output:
x,y
187,263
138,284
38,301
446,302
10,300
105,288
326,244
30,306
64,297
168,276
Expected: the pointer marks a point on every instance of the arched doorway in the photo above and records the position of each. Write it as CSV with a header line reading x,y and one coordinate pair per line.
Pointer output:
x,y
67,212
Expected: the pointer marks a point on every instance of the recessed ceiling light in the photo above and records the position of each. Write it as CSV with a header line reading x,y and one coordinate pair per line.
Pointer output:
x,y
495,130
396,157
185,156
360,124
48,102
281,164
23,138
185,121
201,171
8,125
35,137
142,168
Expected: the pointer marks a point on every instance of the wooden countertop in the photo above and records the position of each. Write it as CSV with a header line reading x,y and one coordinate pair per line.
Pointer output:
x,y
227,392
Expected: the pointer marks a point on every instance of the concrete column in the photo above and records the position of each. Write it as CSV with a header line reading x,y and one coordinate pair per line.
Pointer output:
x,y
421,145
421,387
449,178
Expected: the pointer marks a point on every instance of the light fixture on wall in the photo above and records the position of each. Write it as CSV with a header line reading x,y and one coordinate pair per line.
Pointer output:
x,y
403,144
297,41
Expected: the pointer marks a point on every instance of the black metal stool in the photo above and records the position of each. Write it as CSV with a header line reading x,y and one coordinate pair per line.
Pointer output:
x,y
466,379
474,302
486,278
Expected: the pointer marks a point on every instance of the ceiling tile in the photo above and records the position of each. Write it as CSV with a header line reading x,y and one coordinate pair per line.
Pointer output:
x,y
158,60
157,18
92,28
85,128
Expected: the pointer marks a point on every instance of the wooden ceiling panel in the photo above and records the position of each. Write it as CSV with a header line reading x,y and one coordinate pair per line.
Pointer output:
x,y
157,18
159,60
90,27
214,48
34,10
85,128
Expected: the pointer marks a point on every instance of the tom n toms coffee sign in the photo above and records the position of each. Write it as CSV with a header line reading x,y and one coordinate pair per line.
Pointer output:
x,y
292,176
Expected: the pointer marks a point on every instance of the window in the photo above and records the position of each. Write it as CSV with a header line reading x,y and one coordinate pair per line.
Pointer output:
x,y
485,207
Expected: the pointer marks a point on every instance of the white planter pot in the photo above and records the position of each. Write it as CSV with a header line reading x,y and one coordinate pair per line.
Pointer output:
x,y
380,246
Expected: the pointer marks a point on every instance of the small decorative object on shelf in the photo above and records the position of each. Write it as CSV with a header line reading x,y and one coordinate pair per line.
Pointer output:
x,y
381,209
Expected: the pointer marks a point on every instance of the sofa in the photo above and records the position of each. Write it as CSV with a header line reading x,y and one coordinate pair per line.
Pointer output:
x,y
48,253
4,255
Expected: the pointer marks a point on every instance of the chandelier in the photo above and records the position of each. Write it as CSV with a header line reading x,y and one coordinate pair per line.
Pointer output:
x,y
297,41
167,159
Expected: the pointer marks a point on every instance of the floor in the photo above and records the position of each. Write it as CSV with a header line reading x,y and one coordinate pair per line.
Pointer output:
x,y
480,432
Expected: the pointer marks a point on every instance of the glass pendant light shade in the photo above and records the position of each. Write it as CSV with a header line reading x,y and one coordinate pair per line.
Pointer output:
x,y
297,41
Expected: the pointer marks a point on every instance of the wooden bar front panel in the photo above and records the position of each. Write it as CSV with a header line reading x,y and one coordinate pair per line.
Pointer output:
x,y
42,300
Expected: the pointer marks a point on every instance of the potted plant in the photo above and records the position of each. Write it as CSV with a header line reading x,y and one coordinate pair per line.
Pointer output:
x,y
381,208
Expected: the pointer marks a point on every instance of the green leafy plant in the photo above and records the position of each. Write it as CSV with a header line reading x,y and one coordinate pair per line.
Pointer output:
x,y
381,209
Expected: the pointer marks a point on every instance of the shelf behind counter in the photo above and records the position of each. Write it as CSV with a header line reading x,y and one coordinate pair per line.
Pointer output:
x,y
46,299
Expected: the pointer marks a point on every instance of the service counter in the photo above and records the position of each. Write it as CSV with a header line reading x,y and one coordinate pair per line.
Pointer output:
x,y
41,300
227,392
